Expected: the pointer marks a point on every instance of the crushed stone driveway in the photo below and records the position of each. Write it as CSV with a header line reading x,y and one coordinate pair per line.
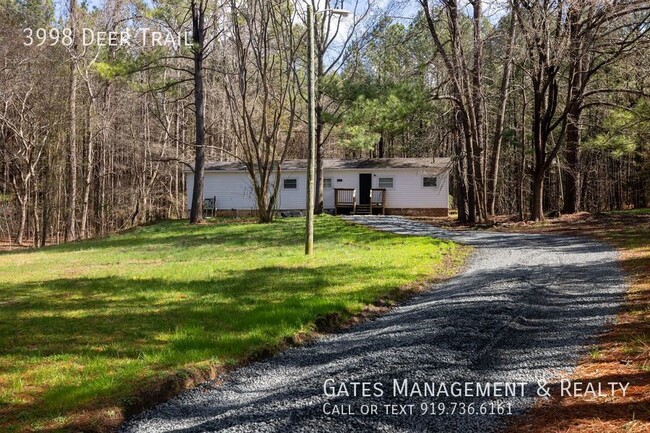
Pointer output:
x,y
524,310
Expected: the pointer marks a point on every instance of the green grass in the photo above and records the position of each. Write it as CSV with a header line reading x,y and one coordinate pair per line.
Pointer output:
x,y
83,326
640,211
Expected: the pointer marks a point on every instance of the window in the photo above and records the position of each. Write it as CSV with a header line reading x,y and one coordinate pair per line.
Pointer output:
x,y
290,183
429,182
327,182
385,182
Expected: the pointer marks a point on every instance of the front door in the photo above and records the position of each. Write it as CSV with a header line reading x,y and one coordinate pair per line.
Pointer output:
x,y
365,184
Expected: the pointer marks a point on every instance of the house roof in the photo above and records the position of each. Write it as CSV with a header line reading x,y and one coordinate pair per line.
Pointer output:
x,y
344,164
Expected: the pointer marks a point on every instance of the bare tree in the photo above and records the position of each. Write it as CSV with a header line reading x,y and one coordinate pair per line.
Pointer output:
x,y
71,228
199,50
330,41
504,90
261,89
599,33
587,36
466,91
29,130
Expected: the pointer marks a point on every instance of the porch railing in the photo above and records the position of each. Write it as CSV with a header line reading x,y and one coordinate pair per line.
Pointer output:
x,y
345,198
378,200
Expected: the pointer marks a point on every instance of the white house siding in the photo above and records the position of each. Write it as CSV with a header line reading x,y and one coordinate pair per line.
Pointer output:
x,y
407,193
233,190
291,199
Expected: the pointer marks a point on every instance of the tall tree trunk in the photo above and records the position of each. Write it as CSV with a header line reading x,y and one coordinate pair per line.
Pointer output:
x,y
471,176
320,126
522,154
461,181
23,219
571,174
45,218
89,167
36,222
198,35
478,120
493,173
71,229
537,208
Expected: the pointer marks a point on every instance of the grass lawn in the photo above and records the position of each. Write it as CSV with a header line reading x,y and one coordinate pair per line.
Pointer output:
x,y
640,211
85,327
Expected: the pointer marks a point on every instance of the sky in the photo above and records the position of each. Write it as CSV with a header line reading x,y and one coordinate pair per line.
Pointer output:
x,y
400,10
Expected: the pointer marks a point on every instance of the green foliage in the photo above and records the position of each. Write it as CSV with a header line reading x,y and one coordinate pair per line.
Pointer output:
x,y
85,325
109,71
388,95
358,137
625,131
384,111
30,13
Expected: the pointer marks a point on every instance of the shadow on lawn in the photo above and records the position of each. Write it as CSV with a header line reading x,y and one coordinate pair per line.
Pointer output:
x,y
104,321
244,300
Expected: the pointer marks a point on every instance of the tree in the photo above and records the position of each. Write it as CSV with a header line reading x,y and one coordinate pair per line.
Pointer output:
x,y
626,132
504,90
466,84
599,35
262,92
587,36
327,31
71,229
198,10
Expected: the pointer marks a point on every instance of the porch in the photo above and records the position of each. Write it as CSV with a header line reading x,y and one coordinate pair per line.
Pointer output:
x,y
347,201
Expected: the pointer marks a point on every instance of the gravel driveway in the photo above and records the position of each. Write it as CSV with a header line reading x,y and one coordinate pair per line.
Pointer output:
x,y
523,311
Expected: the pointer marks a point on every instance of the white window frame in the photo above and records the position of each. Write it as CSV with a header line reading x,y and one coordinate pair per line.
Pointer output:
x,y
429,186
284,185
325,182
385,187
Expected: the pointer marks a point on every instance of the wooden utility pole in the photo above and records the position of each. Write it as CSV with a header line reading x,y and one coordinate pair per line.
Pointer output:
x,y
309,241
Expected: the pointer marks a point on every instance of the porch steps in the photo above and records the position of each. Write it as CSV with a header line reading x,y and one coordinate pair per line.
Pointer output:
x,y
363,209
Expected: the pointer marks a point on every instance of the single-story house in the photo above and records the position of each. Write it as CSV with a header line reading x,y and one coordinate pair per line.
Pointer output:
x,y
411,186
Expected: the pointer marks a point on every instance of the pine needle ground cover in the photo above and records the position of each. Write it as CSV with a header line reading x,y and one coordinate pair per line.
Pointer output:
x,y
85,327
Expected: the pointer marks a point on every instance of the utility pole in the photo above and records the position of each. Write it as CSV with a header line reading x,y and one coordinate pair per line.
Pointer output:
x,y
311,78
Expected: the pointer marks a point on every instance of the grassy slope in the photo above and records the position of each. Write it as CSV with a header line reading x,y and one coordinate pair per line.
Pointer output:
x,y
84,325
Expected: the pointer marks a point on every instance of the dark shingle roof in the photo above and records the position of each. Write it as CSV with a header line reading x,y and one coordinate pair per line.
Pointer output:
x,y
350,164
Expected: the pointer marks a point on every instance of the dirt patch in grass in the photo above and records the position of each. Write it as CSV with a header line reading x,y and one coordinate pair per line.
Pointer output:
x,y
622,353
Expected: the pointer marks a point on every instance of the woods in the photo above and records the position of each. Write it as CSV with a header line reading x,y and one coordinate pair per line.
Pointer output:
x,y
542,105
